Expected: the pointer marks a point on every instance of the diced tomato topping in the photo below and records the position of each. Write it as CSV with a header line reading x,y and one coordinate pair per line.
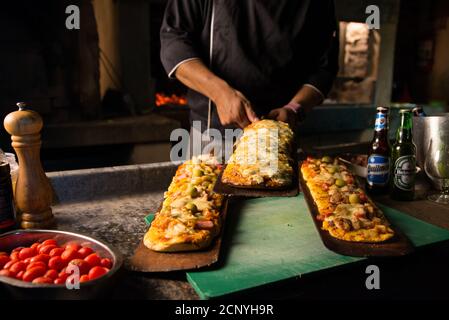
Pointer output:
x,y
362,197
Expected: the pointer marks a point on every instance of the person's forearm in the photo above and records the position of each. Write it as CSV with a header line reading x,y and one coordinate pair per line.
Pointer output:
x,y
307,97
232,106
195,75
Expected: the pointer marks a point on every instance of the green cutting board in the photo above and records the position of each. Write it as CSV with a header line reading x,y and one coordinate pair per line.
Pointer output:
x,y
273,239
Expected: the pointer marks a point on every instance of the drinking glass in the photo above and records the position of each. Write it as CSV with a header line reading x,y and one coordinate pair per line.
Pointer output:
x,y
437,167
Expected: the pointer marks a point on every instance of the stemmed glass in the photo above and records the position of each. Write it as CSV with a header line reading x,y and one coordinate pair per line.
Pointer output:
x,y
437,167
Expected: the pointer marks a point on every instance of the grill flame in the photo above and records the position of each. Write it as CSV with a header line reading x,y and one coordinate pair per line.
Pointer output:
x,y
163,99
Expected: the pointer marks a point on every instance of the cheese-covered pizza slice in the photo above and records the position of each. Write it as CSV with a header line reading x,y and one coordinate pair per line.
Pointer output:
x,y
190,215
262,157
358,223
345,209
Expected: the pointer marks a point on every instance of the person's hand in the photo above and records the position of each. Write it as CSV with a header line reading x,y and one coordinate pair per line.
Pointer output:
x,y
285,115
234,109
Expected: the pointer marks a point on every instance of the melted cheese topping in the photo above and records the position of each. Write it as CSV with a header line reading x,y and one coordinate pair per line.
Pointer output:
x,y
346,211
263,152
190,198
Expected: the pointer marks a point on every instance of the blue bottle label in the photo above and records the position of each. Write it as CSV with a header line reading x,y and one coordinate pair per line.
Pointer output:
x,y
381,122
378,170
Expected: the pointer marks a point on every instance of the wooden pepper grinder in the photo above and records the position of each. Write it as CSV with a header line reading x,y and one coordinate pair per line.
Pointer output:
x,y
33,194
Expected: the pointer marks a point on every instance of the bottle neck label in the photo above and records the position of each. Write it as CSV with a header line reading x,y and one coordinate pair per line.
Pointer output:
x,y
381,122
405,172
378,170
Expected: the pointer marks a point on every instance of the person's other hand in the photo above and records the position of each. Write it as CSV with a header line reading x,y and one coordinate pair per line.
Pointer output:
x,y
285,115
234,109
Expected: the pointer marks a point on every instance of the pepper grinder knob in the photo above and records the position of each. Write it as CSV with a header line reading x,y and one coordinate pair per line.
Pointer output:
x,y
33,194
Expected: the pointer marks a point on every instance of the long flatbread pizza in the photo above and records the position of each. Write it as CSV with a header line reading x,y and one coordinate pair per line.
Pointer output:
x,y
262,157
345,210
190,215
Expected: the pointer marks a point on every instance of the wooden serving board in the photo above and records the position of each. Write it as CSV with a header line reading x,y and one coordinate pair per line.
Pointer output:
x,y
146,260
255,192
399,245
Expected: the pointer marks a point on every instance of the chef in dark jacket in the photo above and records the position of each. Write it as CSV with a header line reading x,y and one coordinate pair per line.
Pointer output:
x,y
244,59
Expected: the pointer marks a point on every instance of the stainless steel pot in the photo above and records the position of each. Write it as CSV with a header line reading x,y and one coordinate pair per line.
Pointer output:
x,y
426,128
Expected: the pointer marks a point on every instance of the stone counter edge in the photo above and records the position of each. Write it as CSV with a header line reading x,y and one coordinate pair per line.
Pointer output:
x,y
101,183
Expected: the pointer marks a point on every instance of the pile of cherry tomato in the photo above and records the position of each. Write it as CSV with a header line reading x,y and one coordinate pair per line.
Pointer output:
x,y
46,262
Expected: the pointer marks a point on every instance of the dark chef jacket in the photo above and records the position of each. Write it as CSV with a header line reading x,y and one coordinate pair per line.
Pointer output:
x,y
267,49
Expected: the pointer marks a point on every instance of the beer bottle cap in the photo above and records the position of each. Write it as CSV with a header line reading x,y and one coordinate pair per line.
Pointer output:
x,y
382,109
405,111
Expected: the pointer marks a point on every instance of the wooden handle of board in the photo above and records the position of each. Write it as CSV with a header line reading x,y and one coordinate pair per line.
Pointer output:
x,y
33,194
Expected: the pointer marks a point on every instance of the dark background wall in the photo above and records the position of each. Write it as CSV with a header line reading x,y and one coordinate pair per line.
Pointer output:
x,y
95,86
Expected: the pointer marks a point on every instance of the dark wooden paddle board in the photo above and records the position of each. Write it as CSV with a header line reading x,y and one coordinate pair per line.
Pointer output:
x,y
399,245
147,260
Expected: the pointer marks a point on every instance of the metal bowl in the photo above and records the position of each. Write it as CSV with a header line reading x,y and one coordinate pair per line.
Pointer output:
x,y
359,170
88,290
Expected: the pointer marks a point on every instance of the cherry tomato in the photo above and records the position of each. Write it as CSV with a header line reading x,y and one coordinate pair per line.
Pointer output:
x,y
37,264
3,260
18,266
3,253
43,280
97,272
41,257
34,245
17,249
107,263
63,274
27,253
19,275
9,264
15,256
56,252
69,254
52,274
7,273
47,248
84,278
81,264
27,260
84,252
49,241
56,263
59,281
33,273
73,246
93,260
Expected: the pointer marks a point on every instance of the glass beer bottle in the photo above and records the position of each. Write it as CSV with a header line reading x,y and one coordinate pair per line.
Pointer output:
x,y
403,156
377,180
